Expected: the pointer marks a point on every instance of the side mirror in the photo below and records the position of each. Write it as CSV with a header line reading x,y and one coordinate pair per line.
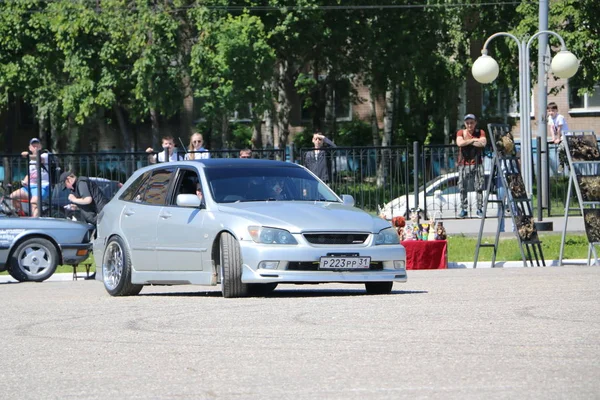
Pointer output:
x,y
188,200
437,194
348,200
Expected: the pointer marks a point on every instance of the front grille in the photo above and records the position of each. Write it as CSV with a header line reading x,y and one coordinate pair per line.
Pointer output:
x,y
336,238
314,266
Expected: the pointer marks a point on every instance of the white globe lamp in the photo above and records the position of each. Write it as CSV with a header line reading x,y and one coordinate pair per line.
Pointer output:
x,y
485,69
564,64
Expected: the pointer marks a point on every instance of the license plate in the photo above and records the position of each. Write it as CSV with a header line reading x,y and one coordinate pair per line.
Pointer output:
x,y
339,263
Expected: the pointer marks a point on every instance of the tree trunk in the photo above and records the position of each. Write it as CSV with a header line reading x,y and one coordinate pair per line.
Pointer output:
x,y
225,136
388,117
123,128
256,130
373,118
330,113
270,127
187,112
284,105
155,126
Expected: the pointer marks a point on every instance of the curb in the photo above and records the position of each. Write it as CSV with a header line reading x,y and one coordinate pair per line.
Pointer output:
x,y
516,264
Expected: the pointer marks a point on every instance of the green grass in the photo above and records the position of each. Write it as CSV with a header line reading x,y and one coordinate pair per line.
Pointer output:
x,y
461,248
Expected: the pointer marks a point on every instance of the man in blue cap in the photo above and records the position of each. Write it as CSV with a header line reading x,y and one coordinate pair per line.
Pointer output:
x,y
471,142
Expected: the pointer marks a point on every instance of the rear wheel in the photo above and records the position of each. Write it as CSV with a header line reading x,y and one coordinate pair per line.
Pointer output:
x,y
116,269
33,260
231,268
379,287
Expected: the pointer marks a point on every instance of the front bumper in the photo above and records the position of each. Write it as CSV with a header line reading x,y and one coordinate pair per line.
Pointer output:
x,y
253,254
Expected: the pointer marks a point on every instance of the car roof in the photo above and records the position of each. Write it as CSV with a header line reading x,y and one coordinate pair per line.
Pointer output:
x,y
237,162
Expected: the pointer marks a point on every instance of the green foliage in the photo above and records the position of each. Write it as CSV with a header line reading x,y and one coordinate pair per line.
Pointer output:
x,y
76,60
231,63
242,135
354,133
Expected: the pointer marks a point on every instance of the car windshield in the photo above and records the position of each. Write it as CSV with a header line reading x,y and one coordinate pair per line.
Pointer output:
x,y
233,184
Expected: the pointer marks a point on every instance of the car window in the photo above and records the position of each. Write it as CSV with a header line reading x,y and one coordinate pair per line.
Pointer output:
x,y
158,186
135,191
229,185
186,183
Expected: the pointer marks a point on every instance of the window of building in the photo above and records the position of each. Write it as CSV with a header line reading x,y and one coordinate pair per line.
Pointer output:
x,y
584,102
502,101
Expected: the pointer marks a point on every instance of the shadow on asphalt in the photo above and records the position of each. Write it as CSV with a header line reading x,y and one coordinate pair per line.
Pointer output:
x,y
284,293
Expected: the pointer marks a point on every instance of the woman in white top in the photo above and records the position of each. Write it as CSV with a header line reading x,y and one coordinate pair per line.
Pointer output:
x,y
31,181
196,150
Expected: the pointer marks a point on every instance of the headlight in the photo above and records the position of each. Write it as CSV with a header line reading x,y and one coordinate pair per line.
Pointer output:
x,y
261,234
387,236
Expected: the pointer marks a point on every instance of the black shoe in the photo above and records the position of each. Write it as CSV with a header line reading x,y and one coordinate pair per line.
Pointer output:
x,y
90,277
463,214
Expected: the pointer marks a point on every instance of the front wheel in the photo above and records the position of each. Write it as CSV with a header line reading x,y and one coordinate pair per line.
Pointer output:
x,y
379,287
33,260
116,269
231,268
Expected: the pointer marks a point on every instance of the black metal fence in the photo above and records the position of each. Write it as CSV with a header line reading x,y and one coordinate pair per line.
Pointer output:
x,y
374,176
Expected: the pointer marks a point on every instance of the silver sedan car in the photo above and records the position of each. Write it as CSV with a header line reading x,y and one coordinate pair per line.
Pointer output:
x,y
32,248
247,225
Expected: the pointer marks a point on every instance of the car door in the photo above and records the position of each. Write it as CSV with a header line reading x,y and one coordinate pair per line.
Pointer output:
x,y
181,244
140,216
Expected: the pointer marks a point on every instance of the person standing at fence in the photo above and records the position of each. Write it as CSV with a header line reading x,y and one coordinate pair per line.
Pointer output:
x,y
245,153
470,141
31,181
316,160
85,194
168,145
558,125
196,149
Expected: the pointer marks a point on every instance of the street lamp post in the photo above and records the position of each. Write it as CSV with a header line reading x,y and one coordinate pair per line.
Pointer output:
x,y
485,70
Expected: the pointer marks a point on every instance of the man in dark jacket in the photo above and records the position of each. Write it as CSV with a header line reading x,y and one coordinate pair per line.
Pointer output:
x,y
316,160
85,194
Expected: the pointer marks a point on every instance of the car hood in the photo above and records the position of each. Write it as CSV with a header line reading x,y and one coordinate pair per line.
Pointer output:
x,y
43,223
306,216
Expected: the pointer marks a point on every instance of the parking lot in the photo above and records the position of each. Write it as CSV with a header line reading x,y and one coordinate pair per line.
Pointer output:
x,y
485,333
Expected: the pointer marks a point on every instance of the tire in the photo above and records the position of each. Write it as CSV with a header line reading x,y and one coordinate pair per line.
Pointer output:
x,y
33,260
261,289
379,287
231,268
116,269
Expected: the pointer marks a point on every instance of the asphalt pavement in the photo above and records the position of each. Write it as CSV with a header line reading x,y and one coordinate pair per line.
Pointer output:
x,y
516,333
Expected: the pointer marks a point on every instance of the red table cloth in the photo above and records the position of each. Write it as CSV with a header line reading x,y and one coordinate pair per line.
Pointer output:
x,y
425,254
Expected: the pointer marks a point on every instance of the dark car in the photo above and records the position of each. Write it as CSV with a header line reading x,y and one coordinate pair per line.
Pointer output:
x,y
60,198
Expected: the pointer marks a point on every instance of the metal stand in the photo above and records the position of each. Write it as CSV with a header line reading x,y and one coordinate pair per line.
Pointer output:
x,y
583,155
507,184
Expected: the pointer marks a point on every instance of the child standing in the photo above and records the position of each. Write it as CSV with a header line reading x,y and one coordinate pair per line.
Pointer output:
x,y
558,125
